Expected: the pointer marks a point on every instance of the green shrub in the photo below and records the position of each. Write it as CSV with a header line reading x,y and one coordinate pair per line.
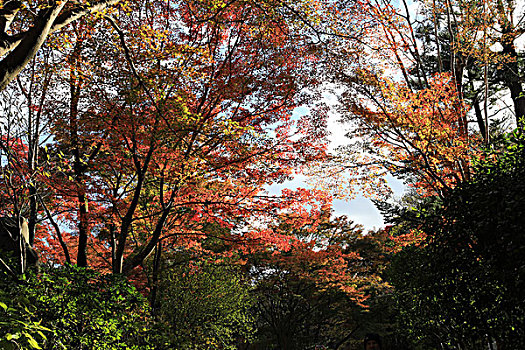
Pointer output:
x,y
74,308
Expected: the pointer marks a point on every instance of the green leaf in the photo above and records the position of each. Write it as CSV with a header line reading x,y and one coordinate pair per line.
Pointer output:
x,y
32,342
10,336
42,335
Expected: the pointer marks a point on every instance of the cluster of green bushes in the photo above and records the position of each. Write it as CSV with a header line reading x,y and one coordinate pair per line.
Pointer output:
x,y
72,308
76,308
463,288
196,305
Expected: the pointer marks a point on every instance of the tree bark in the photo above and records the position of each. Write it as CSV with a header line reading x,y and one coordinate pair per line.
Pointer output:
x,y
27,48
78,166
22,47
512,80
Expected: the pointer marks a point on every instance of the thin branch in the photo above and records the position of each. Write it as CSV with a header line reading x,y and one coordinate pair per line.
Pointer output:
x,y
57,230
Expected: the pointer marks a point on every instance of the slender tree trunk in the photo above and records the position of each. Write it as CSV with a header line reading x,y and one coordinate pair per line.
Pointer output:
x,y
83,228
511,73
155,278
512,80
78,166
477,110
22,245
33,212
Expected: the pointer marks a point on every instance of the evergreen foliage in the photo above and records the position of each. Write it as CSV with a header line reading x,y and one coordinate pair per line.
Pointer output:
x,y
464,287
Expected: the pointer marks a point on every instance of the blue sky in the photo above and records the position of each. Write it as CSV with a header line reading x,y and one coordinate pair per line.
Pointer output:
x,y
360,210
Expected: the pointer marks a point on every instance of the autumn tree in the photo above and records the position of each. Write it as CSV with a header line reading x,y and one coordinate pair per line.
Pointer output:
x,y
24,29
205,305
184,124
312,292
418,95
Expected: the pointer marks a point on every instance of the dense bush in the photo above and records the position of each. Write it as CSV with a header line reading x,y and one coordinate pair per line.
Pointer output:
x,y
204,306
73,308
465,286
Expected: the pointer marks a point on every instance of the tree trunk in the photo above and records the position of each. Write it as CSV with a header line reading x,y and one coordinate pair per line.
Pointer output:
x,y
78,166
